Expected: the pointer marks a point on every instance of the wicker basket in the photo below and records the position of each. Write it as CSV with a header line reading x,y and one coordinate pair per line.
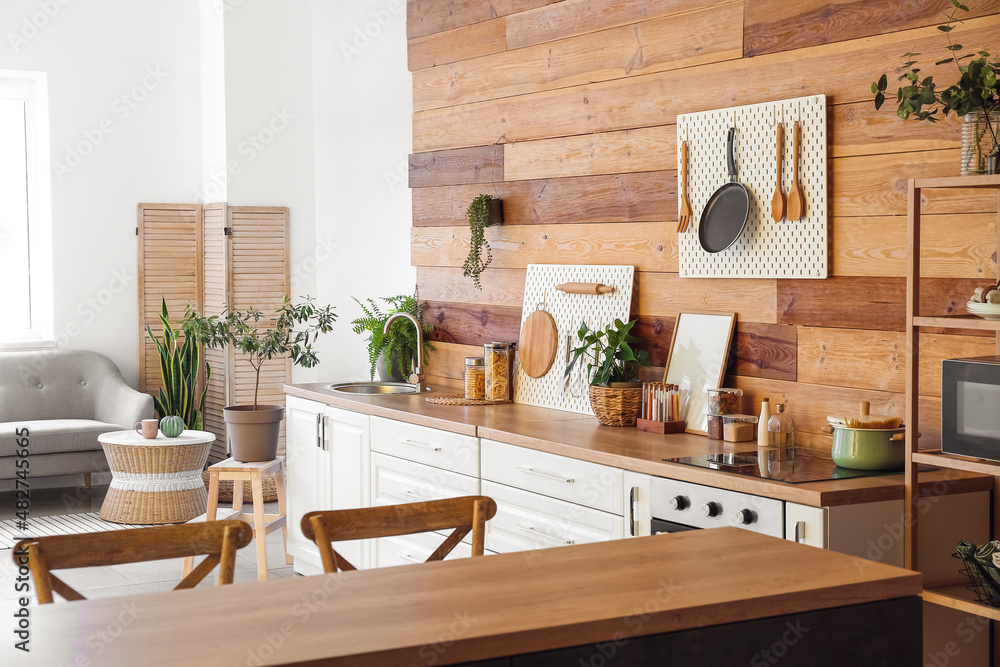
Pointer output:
x,y
614,406
226,489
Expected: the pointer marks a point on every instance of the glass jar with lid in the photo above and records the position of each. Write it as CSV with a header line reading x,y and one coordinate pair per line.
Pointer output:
x,y
496,361
475,378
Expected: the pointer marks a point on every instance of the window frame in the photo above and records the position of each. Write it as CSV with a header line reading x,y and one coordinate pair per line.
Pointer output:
x,y
32,88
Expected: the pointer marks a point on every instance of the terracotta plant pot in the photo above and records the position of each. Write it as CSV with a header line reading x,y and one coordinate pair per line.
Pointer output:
x,y
254,433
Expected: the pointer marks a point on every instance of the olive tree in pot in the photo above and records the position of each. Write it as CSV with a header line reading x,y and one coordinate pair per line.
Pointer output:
x,y
292,331
613,366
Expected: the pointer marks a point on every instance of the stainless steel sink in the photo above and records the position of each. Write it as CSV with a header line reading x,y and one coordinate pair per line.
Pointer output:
x,y
373,388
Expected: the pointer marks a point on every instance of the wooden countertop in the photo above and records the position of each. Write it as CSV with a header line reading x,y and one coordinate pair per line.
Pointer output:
x,y
490,606
582,437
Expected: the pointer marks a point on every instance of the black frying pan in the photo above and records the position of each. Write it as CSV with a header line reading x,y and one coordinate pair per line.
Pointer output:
x,y
725,214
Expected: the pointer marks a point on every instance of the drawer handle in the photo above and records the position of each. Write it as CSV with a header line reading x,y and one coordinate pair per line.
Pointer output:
x,y
531,529
407,441
800,531
410,558
546,475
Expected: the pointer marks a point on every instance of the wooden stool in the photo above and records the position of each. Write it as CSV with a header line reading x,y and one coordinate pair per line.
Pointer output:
x,y
262,523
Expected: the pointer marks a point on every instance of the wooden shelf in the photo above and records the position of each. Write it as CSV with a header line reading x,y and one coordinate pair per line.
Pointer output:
x,y
958,597
957,322
980,181
937,458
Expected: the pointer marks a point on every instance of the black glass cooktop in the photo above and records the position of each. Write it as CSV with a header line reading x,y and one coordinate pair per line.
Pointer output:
x,y
794,466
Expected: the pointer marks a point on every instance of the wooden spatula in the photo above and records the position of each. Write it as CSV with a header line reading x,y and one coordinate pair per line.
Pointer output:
x,y
796,199
778,201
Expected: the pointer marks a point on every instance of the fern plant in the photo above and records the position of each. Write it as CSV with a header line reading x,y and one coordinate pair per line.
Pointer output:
x,y
399,346
479,219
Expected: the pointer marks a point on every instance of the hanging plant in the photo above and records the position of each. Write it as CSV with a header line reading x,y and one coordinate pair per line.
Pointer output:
x,y
483,212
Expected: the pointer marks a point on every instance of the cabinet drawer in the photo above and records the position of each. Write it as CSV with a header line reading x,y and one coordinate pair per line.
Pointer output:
x,y
409,549
396,481
529,521
580,482
432,446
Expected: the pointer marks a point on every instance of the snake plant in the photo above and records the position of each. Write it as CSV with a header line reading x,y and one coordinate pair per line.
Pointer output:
x,y
179,364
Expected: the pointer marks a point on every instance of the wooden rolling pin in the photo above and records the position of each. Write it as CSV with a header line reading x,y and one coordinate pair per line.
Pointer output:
x,y
585,288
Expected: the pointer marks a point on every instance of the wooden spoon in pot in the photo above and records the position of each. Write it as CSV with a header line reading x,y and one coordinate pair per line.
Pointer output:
x,y
796,200
778,201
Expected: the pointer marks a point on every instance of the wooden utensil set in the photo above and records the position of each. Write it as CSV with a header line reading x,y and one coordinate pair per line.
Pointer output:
x,y
794,210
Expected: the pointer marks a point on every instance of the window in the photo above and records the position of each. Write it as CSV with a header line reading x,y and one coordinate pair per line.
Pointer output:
x,y
25,212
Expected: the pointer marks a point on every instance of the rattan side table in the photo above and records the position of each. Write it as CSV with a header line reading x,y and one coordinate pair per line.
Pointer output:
x,y
155,480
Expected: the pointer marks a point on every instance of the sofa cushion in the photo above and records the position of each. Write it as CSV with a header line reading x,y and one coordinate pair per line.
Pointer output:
x,y
46,465
54,436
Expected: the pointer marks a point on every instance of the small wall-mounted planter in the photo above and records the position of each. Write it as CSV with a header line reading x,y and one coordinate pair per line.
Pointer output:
x,y
483,212
496,212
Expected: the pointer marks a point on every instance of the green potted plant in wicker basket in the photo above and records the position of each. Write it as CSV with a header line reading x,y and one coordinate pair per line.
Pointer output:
x,y
613,366
290,332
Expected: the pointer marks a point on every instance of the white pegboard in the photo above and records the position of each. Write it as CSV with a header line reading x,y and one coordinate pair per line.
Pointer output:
x,y
568,311
765,249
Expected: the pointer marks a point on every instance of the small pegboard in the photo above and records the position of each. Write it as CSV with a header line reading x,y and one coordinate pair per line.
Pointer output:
x,y
568,310
765,249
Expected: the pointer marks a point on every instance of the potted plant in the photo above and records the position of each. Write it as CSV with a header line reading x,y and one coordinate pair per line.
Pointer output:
x,y
483,212
292,331
179,367
391,354
613,366
976,95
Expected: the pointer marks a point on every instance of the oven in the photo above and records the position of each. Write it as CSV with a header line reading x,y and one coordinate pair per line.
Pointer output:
x,y
678,506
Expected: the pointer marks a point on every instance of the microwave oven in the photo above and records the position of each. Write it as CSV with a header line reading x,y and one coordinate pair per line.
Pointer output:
x,y
970,407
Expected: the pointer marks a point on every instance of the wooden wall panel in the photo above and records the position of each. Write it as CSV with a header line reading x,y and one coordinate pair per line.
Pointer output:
x,y
643,196
673,42
839,71
776,25
583,101
215,297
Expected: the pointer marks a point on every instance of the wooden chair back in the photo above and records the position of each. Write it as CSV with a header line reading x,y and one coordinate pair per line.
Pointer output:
x,y
218,540
465,514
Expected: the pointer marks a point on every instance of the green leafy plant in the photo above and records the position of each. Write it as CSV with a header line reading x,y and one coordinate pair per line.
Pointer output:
x,y
399,346
180,363
976,90
292,332
609,353
479,219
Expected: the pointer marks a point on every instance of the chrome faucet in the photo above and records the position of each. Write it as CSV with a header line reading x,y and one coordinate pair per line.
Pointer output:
x,y
417,377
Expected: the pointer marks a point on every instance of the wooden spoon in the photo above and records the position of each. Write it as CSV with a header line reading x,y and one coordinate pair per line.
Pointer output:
x,y
778,201
796,200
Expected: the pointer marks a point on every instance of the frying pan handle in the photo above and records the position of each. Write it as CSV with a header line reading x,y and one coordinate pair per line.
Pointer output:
x,y
731,153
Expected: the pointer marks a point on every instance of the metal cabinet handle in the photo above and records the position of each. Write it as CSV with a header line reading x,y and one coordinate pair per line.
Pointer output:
x,y
410,558
632,494
323,421
531,529
407,441
319,418
557,478
800,531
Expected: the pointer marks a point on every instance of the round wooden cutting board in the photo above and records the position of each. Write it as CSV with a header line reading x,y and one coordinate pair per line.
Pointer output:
x,y
537,345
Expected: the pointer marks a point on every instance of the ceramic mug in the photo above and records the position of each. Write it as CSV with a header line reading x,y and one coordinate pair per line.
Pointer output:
x,y
147,428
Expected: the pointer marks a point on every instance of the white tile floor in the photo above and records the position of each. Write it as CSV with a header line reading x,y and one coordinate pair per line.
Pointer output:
x,y
132,578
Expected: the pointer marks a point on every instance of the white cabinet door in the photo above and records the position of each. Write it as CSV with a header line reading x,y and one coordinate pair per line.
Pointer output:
x,y
309,475
807,525
431,446
398,481
346,439
638,516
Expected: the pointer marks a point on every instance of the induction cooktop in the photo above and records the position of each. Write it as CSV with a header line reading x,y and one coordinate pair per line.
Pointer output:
x,y
793,466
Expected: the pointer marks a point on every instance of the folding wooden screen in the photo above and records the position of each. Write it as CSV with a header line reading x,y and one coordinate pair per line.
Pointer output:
x,y
236,256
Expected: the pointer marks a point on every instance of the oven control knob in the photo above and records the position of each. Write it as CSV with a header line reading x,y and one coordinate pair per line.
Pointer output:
x,y
679,503
712,509
745,517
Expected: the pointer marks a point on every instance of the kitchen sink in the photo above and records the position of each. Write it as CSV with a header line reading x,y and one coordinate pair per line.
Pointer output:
x,y
373,388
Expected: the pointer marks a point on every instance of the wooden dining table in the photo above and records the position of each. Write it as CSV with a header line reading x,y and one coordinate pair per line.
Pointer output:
x,y
720,596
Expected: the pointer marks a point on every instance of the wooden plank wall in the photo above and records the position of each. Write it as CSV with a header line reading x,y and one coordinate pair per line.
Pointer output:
x,y
567,110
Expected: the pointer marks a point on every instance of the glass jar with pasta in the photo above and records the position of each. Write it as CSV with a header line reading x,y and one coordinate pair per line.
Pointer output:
x,y
496,358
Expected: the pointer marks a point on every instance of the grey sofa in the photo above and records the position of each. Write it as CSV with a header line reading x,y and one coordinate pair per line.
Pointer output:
x,y
65,398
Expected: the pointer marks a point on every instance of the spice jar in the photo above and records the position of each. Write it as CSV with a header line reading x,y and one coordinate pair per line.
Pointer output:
x,y
496,358
739,428
723,401
475,378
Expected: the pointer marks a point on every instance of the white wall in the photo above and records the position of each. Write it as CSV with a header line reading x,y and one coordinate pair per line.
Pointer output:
x,y
332,132
96,52
363,102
